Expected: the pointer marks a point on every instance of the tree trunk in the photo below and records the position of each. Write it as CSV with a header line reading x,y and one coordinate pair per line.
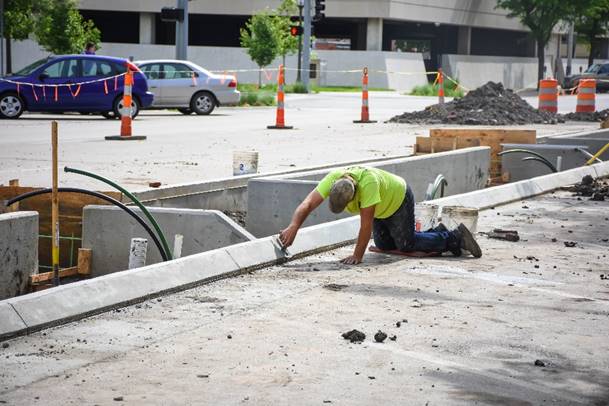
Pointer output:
x,y
592,51
259,77
9,56
540,60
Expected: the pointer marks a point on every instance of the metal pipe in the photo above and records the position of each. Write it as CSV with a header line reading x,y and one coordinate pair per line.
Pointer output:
x,y
527,151
133,199
543,161
588,154
99,196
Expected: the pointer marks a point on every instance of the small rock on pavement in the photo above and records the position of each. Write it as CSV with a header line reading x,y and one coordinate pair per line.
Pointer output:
x,y
4,345
118,399
354,336
539,363
380,336
203,376
570,244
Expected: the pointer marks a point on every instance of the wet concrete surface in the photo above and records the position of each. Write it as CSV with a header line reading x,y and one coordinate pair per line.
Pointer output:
x,y
470,330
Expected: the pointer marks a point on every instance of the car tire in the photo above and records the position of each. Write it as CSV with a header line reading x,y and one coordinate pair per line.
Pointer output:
x,y
118,105
185,111
203,103
11,105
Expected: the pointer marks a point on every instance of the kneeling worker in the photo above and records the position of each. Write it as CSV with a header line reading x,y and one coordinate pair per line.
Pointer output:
x,y
385,204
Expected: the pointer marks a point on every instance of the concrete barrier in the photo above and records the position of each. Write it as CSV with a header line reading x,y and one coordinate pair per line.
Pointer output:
x,y
271,201
519,170
222,194
18,251
593,140
108,231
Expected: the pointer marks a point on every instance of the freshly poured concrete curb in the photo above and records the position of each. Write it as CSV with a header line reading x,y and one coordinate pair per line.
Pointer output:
x,y
74,301
36,311
487,198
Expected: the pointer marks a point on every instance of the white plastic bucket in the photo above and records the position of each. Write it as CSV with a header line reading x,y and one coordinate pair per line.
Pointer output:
x,y
452,216
245,162
425,216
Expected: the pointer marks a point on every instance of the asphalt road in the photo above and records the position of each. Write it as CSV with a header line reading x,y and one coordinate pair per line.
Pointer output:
x,y
183,149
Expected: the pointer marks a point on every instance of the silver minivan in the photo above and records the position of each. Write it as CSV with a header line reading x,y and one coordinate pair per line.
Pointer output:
x,y
187,86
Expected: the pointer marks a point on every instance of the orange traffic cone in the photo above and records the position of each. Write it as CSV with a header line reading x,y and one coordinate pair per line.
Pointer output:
x,y
365,116
126,129
280,116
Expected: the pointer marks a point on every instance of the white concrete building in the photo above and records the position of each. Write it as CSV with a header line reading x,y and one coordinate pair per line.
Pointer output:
x,y
471,39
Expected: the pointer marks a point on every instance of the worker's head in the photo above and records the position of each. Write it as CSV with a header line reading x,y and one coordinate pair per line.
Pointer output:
x,y
342,192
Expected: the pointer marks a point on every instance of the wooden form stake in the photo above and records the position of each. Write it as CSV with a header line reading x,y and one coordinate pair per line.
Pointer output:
x,y
55,207
84,261
14,206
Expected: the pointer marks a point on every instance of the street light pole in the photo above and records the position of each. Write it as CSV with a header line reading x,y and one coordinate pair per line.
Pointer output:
x,y
298,72
182,32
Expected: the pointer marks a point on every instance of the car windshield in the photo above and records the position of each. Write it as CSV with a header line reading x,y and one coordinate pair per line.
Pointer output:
x,y
30,68
593,69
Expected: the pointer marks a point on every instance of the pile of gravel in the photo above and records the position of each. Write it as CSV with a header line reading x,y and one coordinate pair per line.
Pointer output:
x,y
490,104
596,116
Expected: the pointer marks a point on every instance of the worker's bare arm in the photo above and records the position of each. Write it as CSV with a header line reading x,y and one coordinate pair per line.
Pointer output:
x,y
310,203
365,229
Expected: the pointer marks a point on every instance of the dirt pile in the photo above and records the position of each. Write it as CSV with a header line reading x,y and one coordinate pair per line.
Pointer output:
x,y
355,336
490,104
596,116
595,189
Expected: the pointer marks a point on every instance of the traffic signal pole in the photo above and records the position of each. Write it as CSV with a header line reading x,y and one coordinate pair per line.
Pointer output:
x,y
298,72
182,32
306,54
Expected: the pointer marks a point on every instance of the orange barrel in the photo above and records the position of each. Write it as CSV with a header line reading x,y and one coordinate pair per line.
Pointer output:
x,y
586,96
548,95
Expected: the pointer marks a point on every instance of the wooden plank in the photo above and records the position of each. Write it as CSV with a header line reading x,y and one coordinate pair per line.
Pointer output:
x,y
84,261
70,218
47,276
431,145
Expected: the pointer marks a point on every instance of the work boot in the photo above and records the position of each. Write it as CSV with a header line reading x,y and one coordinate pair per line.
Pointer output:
x,y
453,244
468,242
439,228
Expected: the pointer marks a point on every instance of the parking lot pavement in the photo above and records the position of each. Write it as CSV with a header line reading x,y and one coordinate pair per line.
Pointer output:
x,y
183,149
526,324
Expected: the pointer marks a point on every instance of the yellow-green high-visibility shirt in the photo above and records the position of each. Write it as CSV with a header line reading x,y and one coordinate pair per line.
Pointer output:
x,y
372,187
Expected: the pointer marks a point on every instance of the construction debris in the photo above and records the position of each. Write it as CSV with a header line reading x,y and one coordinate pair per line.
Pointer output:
x,y
598,116
380,336
596,189
354,336
490,104
507,235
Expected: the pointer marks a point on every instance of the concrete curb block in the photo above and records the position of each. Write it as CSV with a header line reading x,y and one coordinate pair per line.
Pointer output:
x,y
487,198
36,311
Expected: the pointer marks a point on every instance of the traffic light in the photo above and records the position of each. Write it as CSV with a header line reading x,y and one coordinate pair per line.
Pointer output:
x,y
320,6
172,14
295,30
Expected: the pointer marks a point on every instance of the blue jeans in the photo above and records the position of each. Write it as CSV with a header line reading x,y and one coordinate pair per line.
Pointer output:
x,y
397,232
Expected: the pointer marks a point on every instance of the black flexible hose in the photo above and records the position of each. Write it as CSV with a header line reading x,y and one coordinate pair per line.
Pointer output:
x,y
99,196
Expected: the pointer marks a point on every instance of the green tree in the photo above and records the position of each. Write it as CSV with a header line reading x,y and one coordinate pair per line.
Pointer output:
x,y
19,22
61,29
287,44
592,24
259,38
541,16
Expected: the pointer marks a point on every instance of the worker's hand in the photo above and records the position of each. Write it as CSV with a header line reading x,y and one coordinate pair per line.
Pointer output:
x,y
351,260
287,236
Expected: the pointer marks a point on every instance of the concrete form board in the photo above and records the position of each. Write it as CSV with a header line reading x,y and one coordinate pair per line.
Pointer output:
x,y
108,232
18,251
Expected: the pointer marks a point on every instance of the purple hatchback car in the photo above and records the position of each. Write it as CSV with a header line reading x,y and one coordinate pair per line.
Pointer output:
x,y
80,83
